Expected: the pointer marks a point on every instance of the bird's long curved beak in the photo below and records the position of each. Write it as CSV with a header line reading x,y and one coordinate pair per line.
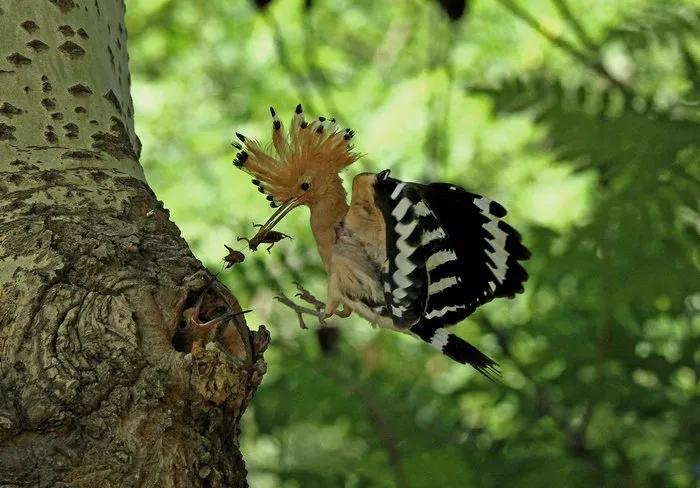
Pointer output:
x,y
283,210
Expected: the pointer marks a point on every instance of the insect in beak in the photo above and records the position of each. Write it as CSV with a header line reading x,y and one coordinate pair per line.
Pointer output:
x,y
283,210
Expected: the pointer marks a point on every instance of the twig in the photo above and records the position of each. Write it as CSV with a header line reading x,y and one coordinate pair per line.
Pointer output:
x,y
560,42
577,27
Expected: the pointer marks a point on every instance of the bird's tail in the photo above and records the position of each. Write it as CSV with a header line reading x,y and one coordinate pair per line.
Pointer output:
x,y
457,349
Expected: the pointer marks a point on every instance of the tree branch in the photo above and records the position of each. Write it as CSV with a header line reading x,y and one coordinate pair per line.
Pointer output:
x,y
592,63
576,26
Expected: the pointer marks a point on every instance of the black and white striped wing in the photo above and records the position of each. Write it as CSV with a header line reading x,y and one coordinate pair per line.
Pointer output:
x,y
448,251
484,250
403,276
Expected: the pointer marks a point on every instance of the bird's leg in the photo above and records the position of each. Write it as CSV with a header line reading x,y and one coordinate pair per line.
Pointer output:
x,y
329,309
305,295
334,300
301,311
319,310
344,314
333,295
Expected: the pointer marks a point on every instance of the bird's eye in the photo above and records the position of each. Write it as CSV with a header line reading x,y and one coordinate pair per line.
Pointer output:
x,y
304,186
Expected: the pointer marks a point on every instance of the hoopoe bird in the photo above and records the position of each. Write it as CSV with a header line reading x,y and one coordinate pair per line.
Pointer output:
x,y
410,257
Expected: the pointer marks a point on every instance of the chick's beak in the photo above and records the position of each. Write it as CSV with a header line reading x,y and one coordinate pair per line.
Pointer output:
x,y
280,213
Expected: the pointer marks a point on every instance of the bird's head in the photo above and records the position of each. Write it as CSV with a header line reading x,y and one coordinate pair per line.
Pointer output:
x,y
301,166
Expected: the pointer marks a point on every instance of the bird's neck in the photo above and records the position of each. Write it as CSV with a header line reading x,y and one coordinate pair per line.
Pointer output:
x,y
326,212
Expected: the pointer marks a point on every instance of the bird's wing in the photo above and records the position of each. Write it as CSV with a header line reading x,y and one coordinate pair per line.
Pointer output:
x,y
404,276
486,252
448,252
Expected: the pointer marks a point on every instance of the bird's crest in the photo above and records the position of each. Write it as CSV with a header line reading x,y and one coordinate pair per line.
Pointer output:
x,y
307,151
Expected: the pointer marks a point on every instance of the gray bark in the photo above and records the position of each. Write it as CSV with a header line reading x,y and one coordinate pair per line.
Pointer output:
x,y
105,380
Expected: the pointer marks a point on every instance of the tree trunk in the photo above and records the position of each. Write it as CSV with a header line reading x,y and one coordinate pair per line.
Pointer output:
x,y
107,377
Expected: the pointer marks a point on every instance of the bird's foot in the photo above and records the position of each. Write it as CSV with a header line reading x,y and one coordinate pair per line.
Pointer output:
x,y
344,314
301,310
306,295
319,308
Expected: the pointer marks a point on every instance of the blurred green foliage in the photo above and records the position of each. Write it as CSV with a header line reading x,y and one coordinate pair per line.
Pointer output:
x,y
583,119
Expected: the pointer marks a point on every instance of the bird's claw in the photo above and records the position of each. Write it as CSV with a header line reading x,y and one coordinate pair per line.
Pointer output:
x,y
344,314
319,310
300,310
305,295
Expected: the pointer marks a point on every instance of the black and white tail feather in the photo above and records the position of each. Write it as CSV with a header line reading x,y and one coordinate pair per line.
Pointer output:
x,y
448,252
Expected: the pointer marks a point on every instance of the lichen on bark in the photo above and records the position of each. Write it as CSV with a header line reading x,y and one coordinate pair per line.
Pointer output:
x,y
105,377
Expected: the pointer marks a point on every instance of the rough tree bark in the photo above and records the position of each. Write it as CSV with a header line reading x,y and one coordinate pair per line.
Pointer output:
x,y
105,378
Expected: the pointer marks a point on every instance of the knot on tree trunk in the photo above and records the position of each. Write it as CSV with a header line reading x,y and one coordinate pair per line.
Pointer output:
x,y
221,379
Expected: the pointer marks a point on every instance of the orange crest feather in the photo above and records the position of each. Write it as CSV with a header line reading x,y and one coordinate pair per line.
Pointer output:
x,y
309,151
